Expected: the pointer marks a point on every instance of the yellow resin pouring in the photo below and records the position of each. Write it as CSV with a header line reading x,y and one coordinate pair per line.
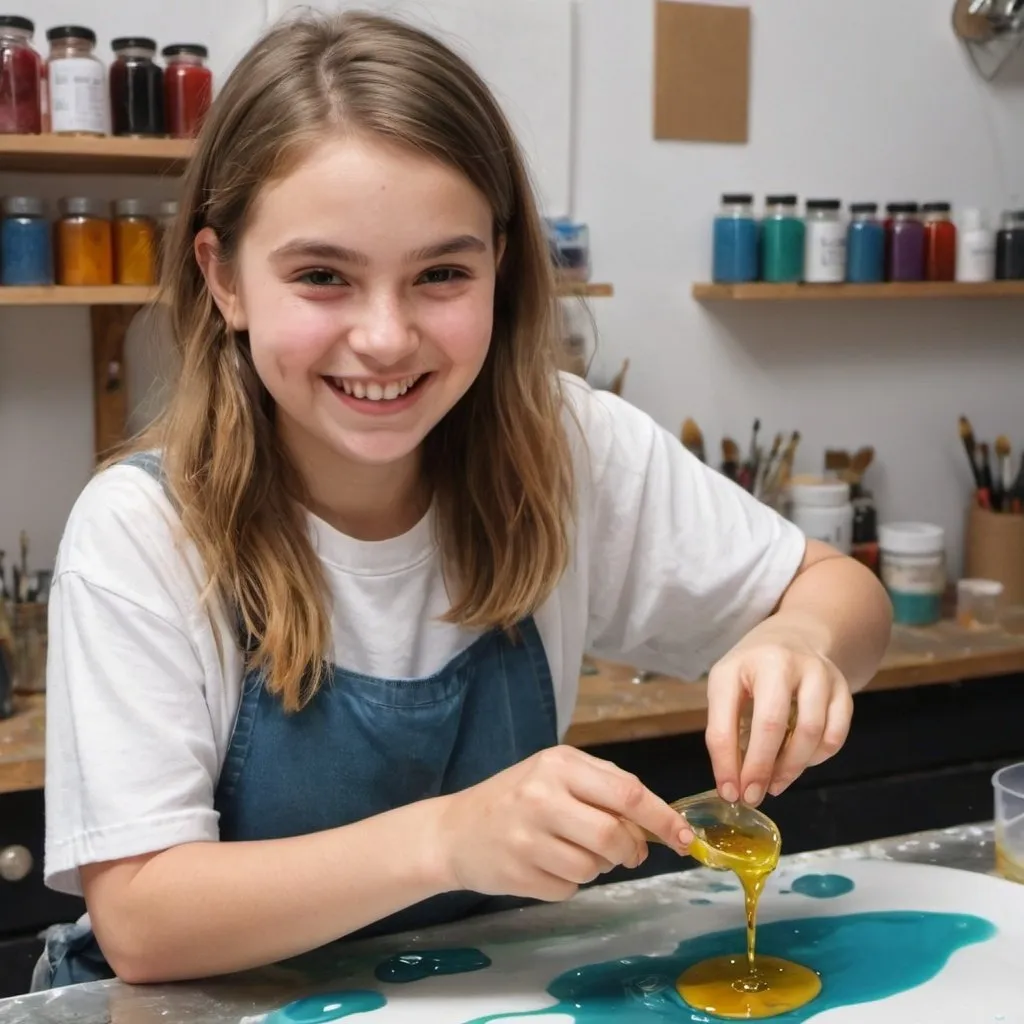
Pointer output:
x,y
738,838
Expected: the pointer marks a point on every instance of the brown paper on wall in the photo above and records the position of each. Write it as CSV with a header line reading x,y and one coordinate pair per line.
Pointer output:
x,y
701,72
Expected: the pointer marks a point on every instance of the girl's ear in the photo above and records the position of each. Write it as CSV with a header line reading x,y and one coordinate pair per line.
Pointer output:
x,y
220,279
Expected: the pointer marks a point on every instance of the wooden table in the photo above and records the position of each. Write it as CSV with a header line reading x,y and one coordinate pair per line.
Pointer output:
x,y
612,708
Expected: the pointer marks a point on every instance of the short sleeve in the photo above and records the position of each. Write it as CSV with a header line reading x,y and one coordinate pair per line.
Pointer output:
x,y
681,561
131,758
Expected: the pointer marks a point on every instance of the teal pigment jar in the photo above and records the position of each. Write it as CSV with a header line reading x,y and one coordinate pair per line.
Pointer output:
x,y
913,564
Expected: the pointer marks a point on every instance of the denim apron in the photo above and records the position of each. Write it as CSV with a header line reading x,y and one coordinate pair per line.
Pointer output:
x,y
362,746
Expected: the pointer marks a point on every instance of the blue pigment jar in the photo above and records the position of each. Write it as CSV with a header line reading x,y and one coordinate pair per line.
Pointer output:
x,y
735,240
782,241
913,570
865,245
25,248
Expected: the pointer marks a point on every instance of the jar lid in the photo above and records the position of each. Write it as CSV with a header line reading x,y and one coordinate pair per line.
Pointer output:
x,y
191,49
737,198
901,208
131,208
784,200
133,43
70,32
16,21
979,588
168,208
936,207
823,204
23,206
863,207
911,538
820,493
84,206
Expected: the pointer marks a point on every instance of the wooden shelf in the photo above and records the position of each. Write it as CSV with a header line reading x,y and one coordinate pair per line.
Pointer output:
x,y
761,292
115,295
570,289
73,154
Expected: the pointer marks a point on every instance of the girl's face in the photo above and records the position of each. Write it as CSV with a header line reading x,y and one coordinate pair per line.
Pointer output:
x,y
366,282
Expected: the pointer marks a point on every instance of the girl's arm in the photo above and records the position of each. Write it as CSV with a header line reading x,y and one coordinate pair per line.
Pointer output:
x,y
539,829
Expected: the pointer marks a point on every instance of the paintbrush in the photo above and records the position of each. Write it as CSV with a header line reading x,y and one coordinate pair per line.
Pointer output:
x,y
1002,481
730,458
766,466
984,476
967,437
777,481
836,461
1016,493
693,439
754,453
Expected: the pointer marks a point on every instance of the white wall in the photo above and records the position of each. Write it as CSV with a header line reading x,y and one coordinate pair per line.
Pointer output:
x,y
920,126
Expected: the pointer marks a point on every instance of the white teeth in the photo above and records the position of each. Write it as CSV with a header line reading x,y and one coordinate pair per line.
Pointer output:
x,y
374,392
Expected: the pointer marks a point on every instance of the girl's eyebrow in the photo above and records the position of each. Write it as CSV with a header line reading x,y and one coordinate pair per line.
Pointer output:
x,y
312,248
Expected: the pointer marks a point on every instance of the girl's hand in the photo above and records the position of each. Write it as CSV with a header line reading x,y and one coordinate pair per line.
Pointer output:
x,y
549,824
776,667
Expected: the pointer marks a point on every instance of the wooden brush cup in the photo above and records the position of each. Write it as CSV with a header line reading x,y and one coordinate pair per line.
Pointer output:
x,y
994,545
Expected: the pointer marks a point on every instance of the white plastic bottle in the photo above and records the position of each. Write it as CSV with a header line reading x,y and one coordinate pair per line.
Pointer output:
x,y
975,247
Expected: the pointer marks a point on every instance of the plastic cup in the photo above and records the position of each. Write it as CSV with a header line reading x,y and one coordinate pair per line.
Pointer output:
x,y
1008,784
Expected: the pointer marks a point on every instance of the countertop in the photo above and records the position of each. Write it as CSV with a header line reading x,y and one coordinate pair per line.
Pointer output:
x,y
613,708
245,997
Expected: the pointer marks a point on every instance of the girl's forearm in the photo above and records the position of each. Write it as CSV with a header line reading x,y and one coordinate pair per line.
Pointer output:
x,y
204,909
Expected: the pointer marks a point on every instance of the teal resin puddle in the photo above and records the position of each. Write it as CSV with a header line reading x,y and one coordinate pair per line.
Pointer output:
x,y
406,967
329,1007
860,957
822,887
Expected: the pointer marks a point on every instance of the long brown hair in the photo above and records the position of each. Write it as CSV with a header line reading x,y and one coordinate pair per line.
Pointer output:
x,y
499,462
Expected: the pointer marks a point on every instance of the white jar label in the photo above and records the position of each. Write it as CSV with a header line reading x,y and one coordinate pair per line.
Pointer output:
x,y
78,95
913,575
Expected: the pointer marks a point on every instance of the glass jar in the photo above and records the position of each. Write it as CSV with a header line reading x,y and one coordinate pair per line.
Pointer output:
x,y
85,248
734,256
939,242
134,243
26,257
136,88
1010,247
782,241
76,83
824,242
904,243
188,89
865,245
21,70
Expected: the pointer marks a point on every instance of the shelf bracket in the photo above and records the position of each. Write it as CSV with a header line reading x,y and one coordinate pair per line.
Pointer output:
x,y
109,382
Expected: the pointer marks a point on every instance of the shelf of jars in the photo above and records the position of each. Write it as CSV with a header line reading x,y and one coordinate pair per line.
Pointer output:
x,y
765,292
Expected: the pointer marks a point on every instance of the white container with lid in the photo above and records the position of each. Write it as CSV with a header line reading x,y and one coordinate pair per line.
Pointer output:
x,y
913,562
822,510
975,247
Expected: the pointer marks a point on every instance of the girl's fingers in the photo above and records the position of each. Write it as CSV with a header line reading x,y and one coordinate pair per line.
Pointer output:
x,y
725,700
812,701
601,833
772,690
837,724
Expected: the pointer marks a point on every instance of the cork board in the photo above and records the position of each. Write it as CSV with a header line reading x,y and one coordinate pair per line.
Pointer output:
x,y
701,72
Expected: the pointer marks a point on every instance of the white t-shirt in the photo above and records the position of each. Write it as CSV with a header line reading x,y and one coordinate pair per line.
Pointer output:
x,y
671,565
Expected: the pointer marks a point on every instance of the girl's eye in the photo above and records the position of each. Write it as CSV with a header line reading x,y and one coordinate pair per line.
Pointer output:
x,y
443,275
320,278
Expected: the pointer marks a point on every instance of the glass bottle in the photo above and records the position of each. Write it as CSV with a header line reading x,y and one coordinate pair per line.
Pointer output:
x,y
734,254
904,243
85,248
76,83
825,242
865,245
1010,247
25,247
782,240
134,243
21,70
136,88
939,242
188,89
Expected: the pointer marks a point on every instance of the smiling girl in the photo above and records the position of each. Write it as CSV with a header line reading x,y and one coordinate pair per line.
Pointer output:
x,y
316,636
